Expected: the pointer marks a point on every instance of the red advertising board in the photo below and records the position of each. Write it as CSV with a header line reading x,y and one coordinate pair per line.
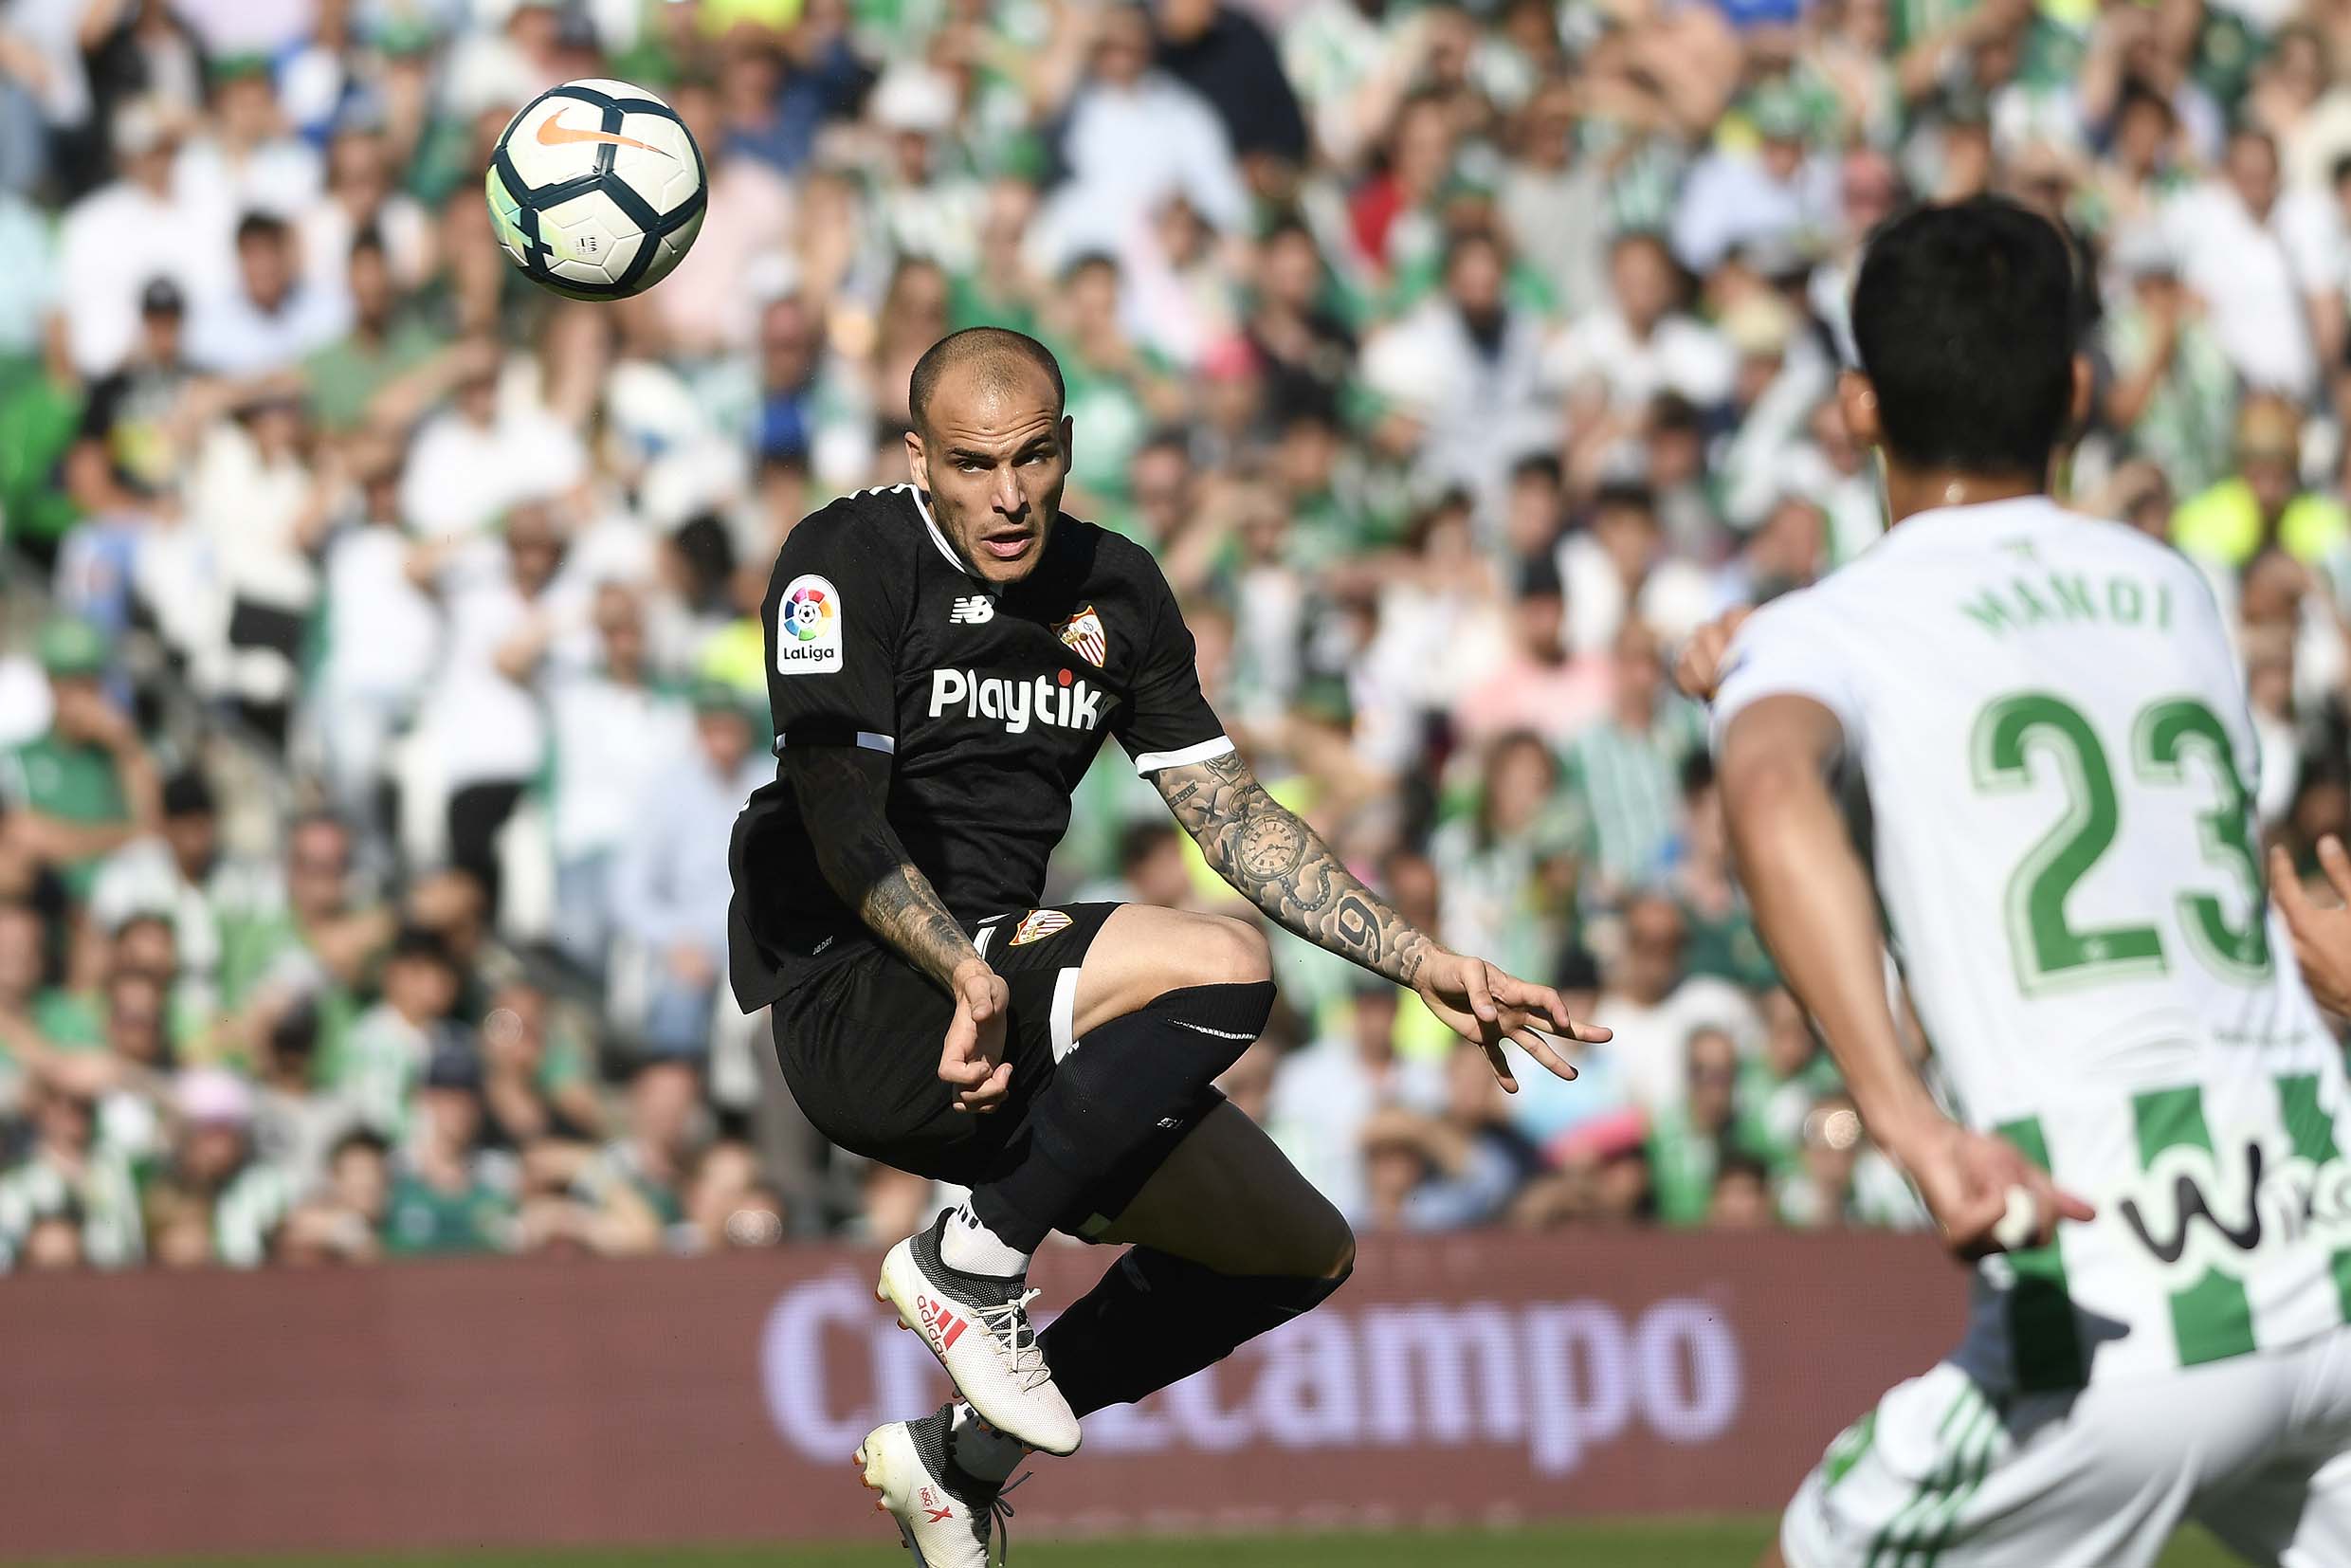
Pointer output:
x,y
1489,1376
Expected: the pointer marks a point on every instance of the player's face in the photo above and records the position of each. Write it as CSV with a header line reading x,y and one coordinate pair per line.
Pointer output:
x,y
993,460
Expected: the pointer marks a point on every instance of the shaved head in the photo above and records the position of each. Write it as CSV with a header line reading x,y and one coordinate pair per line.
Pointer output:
x,y
997,359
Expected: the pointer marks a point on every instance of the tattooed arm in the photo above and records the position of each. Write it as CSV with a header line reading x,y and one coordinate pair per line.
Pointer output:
x,y
1283,868
1281,865
841,792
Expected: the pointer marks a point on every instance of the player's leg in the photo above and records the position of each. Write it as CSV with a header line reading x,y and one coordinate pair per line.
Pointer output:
x,y
1162,1002
1139,1010
1230,1241
1948,1469
2293,1508
859,1047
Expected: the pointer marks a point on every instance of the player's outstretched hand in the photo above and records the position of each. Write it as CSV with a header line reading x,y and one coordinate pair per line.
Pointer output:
x,y
2322,936
1985,1195
1699,670
1485,1006
973,1061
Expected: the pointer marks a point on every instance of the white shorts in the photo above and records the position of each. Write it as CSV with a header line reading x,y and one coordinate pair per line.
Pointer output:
x,y
1943,1475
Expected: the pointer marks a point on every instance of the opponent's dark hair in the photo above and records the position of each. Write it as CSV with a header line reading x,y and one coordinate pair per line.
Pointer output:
x,y
977,344
1964,320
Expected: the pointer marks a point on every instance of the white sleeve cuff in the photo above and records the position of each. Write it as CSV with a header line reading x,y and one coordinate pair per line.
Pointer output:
x,y
1151,762
866,739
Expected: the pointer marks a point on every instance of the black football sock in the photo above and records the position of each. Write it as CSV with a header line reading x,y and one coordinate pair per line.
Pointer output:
x,y
1108,1097
1154,1319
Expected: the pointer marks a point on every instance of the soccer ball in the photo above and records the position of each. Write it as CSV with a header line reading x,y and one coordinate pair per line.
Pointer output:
x,y
595,189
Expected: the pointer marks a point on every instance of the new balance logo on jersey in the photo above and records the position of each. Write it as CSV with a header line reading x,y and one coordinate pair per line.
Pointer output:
x,y
1061,701
976,610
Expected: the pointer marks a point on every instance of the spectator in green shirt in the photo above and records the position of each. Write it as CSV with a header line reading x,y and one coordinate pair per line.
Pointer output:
x,y
88,786
1689,1143
382,369
449,1195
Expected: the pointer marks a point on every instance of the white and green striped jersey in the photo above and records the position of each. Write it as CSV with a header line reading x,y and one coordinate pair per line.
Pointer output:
x,y
2057,760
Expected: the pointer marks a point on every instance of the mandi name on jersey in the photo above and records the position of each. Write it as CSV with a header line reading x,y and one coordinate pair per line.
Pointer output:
x,y
1061,701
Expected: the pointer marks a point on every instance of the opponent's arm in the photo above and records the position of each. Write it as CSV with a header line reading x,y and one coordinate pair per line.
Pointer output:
x,y
1816,910
841,792
1283,868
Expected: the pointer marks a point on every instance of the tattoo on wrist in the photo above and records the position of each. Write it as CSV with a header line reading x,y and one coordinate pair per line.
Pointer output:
x,y
1281,865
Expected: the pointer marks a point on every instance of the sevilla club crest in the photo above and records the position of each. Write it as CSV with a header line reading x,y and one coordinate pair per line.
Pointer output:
x,y
1083,635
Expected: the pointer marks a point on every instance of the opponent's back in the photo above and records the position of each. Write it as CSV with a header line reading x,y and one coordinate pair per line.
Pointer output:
x,y
2058,763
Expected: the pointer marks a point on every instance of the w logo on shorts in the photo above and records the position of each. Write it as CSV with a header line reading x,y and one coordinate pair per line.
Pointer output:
x,y
1038,924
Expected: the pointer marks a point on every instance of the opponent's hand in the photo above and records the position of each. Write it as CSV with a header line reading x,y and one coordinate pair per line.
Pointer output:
x,y
972,1060
1966,1178
2322,936
1485,1006
1699,670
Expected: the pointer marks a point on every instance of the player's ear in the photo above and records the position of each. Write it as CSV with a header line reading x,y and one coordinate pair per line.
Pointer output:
x,y
2078,414
1857,400
1069,432
917,470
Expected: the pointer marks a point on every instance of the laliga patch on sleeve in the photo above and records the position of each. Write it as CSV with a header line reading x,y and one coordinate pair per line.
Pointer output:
x,y
808,627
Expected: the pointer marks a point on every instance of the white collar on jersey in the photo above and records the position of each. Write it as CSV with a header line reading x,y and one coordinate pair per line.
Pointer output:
x,y
923,506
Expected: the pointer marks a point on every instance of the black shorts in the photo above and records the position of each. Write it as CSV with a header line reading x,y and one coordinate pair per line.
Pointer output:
x,y
860,1047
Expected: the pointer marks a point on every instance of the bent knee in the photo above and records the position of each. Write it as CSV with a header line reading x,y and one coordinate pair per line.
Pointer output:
x,y
1322,1246
1218,950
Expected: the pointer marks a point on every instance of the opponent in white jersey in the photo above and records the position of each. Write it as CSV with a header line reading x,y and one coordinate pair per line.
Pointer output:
x,y
2044,717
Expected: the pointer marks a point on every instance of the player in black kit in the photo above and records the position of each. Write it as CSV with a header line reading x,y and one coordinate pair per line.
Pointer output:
x,y
944,659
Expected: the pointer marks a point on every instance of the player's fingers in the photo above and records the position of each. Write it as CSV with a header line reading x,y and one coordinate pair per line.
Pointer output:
x,y
1592,1034
1479,983
2285,889
1542,1002
2055,1203
990,1094
980,997
1539,1049
1693,673
1500,1063
2337,865
958,1065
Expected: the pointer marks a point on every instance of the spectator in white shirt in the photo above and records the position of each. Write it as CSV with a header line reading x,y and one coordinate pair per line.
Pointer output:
x,y
1466,365
509,602
1325,1095
1132,137
247,162
1776,193
125,236
2271,289
611,732
477,457
383,634
272,318
1613,360
671,888
1654,1007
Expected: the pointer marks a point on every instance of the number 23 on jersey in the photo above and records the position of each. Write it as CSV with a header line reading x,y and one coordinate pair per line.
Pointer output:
x,y
2178,742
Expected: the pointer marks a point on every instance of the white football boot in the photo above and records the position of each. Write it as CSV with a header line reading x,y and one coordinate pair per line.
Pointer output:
x,y
946,1515
979,1328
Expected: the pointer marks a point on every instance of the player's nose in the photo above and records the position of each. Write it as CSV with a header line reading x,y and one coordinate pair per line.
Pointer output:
x,y
1010,499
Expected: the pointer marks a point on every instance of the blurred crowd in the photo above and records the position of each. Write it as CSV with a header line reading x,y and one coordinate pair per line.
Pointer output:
x,y
386,670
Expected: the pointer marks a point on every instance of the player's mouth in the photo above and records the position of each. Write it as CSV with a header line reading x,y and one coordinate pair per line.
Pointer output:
x,y
1007,547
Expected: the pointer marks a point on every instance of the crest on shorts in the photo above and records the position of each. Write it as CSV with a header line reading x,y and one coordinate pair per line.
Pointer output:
x,y
1038,924
1083,635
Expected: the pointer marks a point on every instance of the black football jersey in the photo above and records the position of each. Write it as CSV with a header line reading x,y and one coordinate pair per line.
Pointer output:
x,y
990,701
